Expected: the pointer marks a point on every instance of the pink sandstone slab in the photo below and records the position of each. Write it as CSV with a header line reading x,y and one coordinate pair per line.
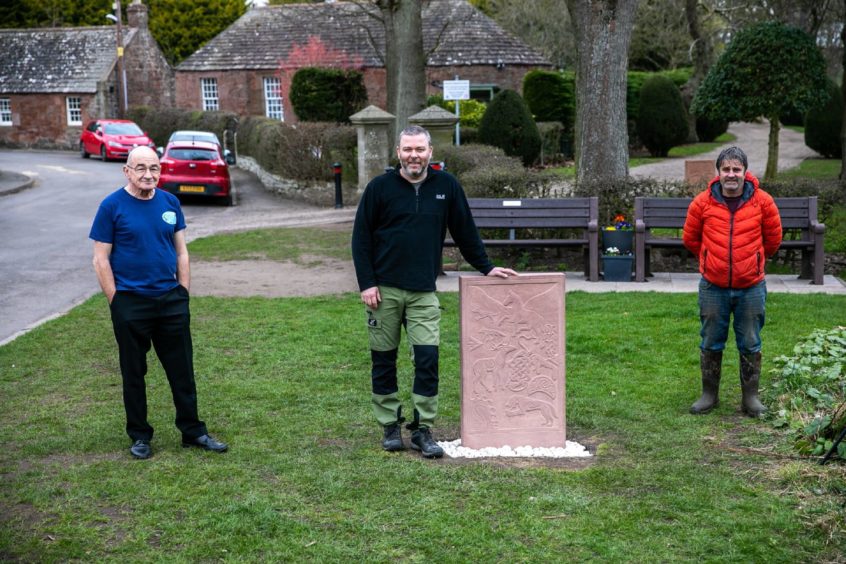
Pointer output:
x,y
512,361
698,173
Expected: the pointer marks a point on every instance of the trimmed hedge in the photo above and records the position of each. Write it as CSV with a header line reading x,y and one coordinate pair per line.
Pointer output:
x,y
662,119
304,151
326,94
508,124
822,125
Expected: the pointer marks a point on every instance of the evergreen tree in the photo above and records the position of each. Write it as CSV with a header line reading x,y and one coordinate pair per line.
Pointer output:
x,y
822,125
767,69
508,124
662,119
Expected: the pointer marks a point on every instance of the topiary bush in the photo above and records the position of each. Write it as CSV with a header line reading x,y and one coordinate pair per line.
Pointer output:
x,y
508,124
662,119
708,129
331,95
551,97
822,125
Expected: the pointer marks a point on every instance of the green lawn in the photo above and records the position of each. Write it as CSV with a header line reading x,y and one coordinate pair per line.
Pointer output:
x,y
285,382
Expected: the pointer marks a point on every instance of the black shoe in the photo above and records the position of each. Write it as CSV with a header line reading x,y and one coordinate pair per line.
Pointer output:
x,y
393,438
422,440
206,442
141,449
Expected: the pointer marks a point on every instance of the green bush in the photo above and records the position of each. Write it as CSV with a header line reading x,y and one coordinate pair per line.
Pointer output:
x,y
808,391
551,96
708,129
470,111
506,182
160,123
462,159
617,197
331,95
822,124
662,119
508,124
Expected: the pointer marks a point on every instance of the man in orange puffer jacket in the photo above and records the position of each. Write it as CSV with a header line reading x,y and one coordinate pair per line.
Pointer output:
x,y
733,227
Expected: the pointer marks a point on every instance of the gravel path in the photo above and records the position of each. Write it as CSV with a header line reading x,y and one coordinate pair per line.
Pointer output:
x,y
752,138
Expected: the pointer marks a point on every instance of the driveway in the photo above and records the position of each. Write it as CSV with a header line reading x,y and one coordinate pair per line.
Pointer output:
x,y
753,138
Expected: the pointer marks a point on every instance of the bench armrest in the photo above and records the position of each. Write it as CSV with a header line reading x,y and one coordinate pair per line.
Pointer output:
x,y
817,227
640,226
593,225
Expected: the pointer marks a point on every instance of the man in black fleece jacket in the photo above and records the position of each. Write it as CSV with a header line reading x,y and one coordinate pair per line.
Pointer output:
x,y
397,244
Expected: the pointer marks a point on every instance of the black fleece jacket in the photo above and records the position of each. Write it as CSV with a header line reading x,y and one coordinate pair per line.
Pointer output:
x,y
398,236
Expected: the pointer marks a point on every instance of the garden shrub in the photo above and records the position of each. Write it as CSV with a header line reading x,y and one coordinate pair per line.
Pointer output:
x,y
662,118
470,111
308,150
617,196
808,392
159,123
327,94
508,124
551,96
822,124
506,182
551,133
708,129
462,159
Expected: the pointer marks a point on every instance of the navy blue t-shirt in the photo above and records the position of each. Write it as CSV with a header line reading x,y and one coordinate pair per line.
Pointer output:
x,y
141,233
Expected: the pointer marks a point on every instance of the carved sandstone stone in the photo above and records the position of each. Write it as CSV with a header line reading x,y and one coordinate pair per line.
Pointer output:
x,y
512,361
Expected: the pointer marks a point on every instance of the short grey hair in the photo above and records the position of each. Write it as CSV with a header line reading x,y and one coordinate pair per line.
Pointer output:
x,y
733,154
412,130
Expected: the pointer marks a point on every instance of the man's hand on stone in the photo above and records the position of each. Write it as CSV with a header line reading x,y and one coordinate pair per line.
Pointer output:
x,y
502,272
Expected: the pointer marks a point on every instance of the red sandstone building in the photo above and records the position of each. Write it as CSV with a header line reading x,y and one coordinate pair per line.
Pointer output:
x,y
52,81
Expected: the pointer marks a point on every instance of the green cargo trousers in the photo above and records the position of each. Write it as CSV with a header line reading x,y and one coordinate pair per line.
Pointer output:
x,y
420,312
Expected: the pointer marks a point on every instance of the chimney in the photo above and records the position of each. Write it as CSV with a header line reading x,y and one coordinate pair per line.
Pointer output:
x,y
136,14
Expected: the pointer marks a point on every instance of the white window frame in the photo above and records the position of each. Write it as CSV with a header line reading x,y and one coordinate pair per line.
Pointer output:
x,y
74,110
5,111
209,93
273,106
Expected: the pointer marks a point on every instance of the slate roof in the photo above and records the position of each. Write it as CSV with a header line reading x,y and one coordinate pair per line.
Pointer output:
x,y
68,60
263,37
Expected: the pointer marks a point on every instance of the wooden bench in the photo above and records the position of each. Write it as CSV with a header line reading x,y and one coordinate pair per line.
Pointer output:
x,y
580,214
801,231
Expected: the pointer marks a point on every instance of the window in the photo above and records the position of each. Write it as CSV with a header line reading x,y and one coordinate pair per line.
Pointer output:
x,y
273,99
74,110
210,100
5,111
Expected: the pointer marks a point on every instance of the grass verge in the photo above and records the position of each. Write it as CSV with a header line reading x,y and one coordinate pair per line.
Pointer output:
x,y
285,382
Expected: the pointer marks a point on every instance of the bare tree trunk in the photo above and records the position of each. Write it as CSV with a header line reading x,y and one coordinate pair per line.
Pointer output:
x,y
700,53
603,33
405,60
772,150
843,93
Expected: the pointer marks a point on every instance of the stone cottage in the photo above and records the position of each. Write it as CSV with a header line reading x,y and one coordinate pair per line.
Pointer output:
x,y
247,68
53,80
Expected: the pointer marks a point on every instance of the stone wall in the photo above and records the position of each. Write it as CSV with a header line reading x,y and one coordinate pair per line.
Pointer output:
x,y
312,192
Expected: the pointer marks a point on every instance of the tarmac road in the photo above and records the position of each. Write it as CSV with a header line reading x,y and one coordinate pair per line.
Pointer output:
x,y
47,202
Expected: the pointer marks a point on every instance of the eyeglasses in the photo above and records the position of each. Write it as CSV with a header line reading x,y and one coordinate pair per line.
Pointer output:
x,y
142,170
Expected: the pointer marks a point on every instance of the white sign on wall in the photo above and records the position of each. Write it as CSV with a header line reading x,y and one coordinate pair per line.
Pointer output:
x,y
456,90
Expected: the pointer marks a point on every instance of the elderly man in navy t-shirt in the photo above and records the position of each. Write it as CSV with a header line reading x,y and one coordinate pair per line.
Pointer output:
x,y
141,261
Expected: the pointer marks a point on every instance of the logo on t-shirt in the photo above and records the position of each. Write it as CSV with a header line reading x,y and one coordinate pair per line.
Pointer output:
x,y
169,217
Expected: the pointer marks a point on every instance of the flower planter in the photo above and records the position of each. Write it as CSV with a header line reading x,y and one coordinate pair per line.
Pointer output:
x,y
623,239
617,268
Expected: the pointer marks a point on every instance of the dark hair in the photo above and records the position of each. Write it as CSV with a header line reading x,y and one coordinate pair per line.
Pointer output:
x,y
415,130
733,154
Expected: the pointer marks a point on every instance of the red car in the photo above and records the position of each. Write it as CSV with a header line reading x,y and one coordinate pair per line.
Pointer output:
x,y
112,138
196,168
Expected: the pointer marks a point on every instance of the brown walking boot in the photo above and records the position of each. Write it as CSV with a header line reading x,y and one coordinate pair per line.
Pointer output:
x,y
750,374
710,363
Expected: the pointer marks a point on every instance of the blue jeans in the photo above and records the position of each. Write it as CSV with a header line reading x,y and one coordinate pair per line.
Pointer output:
x,y
717,305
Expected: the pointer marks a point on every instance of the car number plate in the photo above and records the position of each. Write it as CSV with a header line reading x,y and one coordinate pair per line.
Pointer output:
x,y
184,188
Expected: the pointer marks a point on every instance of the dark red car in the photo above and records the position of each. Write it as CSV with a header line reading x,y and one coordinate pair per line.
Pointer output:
x,y
196,168
112,138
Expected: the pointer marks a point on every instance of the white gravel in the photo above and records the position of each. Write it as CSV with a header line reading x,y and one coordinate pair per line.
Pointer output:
x,y
572,450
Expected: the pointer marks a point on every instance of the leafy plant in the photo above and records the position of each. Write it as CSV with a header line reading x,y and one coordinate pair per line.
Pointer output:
x,y
508,124
809,390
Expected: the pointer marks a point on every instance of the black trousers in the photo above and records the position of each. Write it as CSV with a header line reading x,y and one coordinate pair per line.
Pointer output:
x,y
165,322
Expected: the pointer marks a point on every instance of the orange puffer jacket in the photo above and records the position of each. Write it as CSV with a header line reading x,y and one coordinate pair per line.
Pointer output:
x,y
732,248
